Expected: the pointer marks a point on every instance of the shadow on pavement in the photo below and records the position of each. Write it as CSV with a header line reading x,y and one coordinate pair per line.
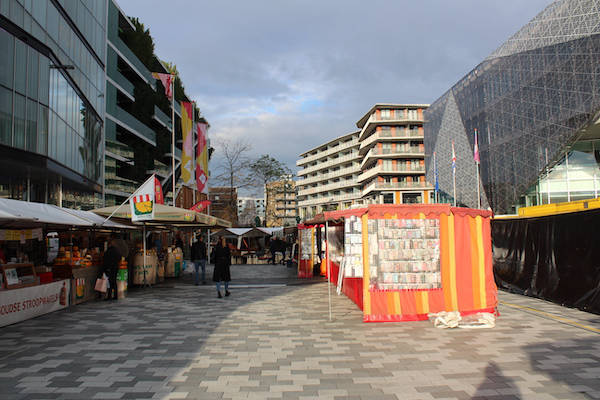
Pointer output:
x,y
572,364
495,382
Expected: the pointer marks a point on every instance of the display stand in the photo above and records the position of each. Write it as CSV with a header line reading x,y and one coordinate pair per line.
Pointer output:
x,y
15,276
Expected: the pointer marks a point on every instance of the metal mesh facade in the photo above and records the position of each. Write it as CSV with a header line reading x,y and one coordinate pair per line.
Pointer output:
x,y
530,99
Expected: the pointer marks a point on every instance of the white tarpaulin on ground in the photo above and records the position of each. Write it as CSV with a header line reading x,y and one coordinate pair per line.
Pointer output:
x,y
21,304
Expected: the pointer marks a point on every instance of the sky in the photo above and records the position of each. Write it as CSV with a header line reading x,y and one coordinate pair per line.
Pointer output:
x,y
289,75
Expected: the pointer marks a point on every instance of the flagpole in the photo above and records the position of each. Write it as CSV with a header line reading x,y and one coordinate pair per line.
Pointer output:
x,y
436,178
173,133
454,173
477,162
193,152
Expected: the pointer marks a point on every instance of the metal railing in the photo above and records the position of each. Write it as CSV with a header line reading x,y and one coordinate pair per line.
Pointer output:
x,y
325,153
336,161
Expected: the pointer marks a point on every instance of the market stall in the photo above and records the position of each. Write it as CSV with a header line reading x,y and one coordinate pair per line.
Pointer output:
x,y
28,285
147,266
402,262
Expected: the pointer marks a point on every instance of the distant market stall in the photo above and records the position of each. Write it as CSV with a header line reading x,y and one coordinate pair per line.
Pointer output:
x,y
402,262
249,245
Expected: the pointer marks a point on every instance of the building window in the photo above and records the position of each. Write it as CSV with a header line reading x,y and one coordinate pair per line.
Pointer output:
x,y
412,198
388,198
385,114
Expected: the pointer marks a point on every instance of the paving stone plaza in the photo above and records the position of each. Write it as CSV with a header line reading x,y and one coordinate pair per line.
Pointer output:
x,y
272,338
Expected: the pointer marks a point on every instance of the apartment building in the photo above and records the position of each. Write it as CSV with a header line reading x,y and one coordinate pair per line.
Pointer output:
x,y
329,176
382,163
281,204
138,116
393,155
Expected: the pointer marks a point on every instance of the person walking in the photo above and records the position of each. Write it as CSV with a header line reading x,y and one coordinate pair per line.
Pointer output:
x,y
221,272
199,258
112,256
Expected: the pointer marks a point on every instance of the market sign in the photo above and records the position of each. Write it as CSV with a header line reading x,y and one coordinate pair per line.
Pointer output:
x,y
21,304
142,202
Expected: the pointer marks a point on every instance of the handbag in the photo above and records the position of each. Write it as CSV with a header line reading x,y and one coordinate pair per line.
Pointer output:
x,y
101,285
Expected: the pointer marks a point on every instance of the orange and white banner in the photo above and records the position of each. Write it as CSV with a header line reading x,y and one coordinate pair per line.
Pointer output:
x,y
187,153
202,158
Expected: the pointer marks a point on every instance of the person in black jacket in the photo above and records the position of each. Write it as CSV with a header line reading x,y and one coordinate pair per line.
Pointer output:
x,y
112,256
222,262
199,258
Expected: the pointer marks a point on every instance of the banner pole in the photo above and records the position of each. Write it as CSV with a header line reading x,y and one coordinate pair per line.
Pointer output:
x,y
194,140
173,133
328,266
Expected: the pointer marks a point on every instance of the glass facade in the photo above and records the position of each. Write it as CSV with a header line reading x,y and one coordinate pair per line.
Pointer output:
x,y
40,112
534,102
52,93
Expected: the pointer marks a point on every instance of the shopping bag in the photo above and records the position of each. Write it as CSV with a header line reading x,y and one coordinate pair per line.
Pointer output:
x,y
101,285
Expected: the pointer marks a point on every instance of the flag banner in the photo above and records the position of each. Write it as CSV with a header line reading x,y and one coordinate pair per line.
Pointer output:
x,y
453,158
476,149
202,158
187,153
142,201
158,193
200,206
167,81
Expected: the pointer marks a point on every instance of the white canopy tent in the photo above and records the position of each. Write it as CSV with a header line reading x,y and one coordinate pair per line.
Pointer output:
x,y
28,214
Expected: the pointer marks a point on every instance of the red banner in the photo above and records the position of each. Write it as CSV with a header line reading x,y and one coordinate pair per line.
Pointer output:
x,y
158,193
200,206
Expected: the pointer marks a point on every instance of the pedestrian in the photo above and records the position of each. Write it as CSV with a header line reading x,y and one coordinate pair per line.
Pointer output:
x,y
112,256
199,258
273,249
221,272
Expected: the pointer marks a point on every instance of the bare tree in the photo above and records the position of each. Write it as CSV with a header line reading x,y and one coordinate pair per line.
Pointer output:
x,y
232,168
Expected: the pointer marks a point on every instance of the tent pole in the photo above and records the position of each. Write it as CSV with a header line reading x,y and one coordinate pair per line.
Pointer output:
x,y
144,247
328,266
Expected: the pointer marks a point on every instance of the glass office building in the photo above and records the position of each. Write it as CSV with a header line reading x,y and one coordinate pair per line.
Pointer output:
x,y
535,103
52,84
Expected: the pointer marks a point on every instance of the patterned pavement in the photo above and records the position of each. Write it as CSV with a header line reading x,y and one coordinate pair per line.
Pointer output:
x,y
270,340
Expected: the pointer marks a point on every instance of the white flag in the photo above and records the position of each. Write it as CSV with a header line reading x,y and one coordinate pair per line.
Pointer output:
x,y
142,202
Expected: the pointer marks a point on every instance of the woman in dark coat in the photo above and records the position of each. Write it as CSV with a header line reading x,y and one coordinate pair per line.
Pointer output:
x,y
222,262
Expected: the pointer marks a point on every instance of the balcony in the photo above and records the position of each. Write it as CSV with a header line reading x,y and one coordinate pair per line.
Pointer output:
x,y
335,174
162,118
120,149
373,122
397,170
386,135
406,152
329,199
395,186
328,152
325,188
127,55
328,164
130,123
121,83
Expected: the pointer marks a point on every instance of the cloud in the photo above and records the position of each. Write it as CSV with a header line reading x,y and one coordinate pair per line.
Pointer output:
x,y
290,75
